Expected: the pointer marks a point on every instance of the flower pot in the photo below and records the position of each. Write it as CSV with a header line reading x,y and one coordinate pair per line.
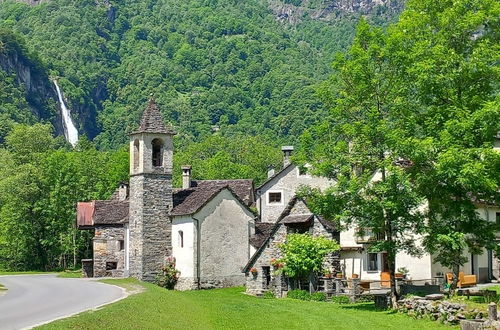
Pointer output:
x,y
339,275
355,276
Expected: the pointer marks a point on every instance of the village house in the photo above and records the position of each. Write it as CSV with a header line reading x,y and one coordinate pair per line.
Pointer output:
x,y
275,200
295,218
209,227
205,226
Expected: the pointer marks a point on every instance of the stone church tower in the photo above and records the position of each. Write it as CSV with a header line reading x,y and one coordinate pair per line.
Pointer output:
x,y
151,154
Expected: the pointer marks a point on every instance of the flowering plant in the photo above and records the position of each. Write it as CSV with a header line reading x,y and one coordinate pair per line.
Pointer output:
x,y
254,271
169,275
277,263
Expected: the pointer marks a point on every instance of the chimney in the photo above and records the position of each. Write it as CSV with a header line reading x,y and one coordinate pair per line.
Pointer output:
x,y
287,152
123,191
270,172
186,176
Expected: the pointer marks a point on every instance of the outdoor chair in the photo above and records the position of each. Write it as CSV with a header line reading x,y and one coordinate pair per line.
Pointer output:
x,y
385,279
463,280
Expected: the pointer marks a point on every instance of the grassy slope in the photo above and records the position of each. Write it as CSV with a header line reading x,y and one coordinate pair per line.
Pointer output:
x,y
157,308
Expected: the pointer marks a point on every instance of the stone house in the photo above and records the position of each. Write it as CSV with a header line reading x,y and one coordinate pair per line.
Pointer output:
x,y
206,225
273,196
295,218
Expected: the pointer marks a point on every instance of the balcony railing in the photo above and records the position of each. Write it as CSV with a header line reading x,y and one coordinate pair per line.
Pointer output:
x,y
366,235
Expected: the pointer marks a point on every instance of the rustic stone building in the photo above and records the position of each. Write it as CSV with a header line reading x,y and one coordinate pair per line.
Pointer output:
x,y
134,230
295,218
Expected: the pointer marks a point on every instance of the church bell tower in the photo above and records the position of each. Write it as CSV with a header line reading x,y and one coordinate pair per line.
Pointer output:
x,y
151,154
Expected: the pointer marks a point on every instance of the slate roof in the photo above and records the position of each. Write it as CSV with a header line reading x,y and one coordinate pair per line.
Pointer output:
x,y
190,200
110,212
262,232
152,121
297,218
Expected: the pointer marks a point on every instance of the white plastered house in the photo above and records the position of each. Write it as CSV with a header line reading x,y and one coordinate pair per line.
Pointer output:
x,y
355,258
211,227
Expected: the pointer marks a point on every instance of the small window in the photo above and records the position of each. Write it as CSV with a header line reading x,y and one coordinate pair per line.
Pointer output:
x,y
275,197
111,265
181,238
266,271
372,262
136,154
157,145
121,244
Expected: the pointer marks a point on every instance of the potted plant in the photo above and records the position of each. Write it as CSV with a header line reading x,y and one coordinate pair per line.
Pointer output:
x,y
355,276
254,271
401,273
276,263
327,274
339,275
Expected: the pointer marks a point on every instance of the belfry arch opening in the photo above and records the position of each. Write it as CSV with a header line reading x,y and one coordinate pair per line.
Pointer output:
x,y
136,154
157,156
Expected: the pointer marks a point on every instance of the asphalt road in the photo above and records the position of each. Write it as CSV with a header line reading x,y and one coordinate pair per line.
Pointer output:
x,y
36,299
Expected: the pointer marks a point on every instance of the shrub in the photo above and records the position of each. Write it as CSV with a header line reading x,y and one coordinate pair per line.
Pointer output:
x,y
340,299
169,275
318,296
268,295
299,294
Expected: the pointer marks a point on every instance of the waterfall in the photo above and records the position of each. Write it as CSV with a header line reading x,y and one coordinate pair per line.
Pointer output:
x,y
70,131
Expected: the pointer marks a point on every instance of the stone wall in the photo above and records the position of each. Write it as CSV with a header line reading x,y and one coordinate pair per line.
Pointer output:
x,y
107,249
150,226
287,182
256,284
225,228
186,283
445,311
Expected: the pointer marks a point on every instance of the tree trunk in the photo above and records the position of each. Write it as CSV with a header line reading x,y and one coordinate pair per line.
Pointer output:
x,y
456,271
391,261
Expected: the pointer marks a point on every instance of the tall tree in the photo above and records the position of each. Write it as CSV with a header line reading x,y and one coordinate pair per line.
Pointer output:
x,y
450,51
358,146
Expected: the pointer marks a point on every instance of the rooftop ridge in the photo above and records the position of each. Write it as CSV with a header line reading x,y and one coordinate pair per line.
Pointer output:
x,y
152,120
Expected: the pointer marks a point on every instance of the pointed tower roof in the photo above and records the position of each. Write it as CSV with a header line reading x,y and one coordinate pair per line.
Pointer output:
x,y
152,121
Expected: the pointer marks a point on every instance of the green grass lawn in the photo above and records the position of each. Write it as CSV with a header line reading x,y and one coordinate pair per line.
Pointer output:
x,y
64,274
157,308
71,274
3,272
495,288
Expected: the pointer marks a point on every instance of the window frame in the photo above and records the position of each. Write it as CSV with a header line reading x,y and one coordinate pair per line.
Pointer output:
x,y
180,239
155,144
268,199
377,263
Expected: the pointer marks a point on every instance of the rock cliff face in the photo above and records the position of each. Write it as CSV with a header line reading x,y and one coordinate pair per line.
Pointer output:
x,y
293,11
40,92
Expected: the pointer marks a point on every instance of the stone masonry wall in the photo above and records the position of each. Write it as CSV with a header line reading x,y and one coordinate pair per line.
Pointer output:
x,y
256,284
150,225
224,241
106,245
286,182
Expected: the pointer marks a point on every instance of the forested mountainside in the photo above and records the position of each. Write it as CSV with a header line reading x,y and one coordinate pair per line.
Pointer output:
x,y
226,66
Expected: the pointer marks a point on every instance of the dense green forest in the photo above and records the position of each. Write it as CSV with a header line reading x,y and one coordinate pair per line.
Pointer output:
x,y
223,64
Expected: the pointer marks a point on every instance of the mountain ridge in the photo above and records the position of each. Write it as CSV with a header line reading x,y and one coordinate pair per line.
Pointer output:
x,y
224,66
